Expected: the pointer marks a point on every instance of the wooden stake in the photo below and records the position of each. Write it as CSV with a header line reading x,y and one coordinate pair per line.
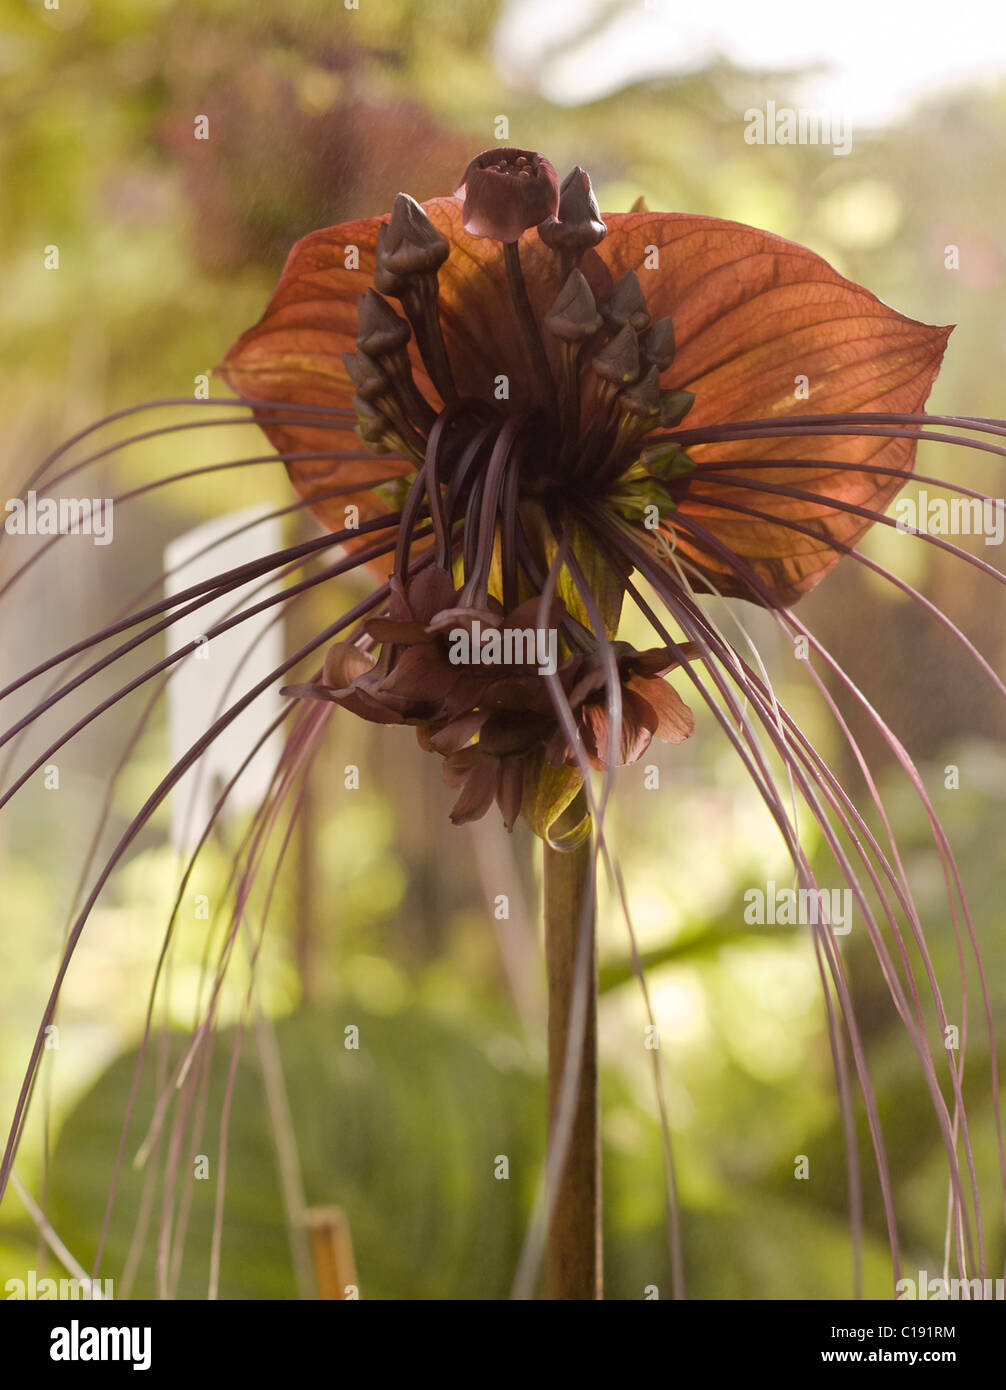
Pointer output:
x,y
332,1249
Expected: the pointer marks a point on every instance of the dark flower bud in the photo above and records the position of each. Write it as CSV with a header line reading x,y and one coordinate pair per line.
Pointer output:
x,y
626,305
384,281
410,245
674,406
370,381
371,426
644,397
658,344
574,315
618,361
380,331
578,226
666,460
506,191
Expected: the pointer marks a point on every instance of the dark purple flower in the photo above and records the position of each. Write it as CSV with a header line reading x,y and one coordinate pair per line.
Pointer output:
x,y
506,191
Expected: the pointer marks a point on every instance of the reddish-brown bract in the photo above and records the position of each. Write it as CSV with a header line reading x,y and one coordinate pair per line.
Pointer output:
x,y
753,315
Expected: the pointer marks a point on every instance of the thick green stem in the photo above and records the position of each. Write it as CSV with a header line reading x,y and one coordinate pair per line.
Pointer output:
x,y
573,1261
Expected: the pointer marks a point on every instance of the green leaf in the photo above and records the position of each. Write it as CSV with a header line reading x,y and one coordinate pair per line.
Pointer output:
x,y
605,582
548,791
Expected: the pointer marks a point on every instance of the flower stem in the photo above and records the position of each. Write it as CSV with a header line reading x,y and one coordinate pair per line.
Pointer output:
x,y
420,305
573,1259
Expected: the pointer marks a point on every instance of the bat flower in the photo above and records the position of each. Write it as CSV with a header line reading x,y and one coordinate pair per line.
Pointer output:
x,y
559,415
553,399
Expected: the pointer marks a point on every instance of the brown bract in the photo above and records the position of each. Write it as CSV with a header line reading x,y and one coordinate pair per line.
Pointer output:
x,y
753,314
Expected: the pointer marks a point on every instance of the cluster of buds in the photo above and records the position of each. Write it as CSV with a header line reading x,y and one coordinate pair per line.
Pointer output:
x,y
492,477
606,358
425,676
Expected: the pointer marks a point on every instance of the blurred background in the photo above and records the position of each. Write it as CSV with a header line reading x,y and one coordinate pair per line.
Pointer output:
x,y
383,917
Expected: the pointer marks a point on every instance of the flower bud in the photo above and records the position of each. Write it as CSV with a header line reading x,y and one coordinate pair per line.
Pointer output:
x,y
366,375
667,460
380,331
618,361
372,428
384,281
643,398
625,304
674,406
578,226
506,191
573,317
658,344
409,244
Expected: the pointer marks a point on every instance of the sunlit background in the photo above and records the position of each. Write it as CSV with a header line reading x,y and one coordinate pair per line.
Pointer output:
x,y
383,917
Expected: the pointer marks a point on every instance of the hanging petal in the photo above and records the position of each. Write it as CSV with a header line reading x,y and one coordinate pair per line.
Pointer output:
x,y
674,720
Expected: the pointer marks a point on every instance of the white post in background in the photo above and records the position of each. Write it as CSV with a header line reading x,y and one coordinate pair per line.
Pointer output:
x,y
220,670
